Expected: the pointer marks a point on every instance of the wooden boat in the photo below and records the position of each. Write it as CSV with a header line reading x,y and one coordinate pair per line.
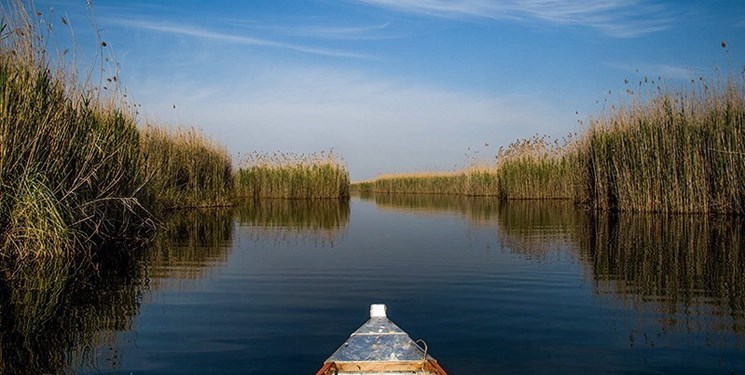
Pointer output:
x,y
381,347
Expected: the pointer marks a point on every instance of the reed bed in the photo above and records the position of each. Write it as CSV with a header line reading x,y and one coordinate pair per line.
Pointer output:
x,y
184,168
533,168
76,172
421,183
537,168
681,152
292,176
69,155
673,152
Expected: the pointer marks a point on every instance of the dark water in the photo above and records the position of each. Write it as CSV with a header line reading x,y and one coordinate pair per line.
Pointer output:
x,y
519,287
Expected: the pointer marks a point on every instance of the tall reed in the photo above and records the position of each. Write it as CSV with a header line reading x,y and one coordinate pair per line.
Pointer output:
x,y
676,152
292,176
673,152
537,168
533,168
422,183
185,169
69,158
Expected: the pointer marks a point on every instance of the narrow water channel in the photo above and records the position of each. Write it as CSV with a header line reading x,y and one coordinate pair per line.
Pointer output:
x,y
274,288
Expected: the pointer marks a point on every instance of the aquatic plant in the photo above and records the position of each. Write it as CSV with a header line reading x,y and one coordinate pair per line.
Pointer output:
x,y
681,151
292,176
667,151
533,168
184,168
69,155
537,168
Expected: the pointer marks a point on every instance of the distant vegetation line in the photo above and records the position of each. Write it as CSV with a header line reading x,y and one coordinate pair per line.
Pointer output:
x,y
674,152
292,176
78,173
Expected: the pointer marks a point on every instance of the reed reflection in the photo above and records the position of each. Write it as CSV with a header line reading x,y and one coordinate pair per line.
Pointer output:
x,y
537,230
477,209
67,313
191,244
60,313
319,222
689,269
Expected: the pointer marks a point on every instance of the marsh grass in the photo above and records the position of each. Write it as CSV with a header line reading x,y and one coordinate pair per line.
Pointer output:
x,y
292,176
677,152
537,168
184,168
69,155
533,168
421,183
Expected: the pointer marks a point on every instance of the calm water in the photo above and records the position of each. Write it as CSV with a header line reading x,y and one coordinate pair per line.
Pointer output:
x,y
521,287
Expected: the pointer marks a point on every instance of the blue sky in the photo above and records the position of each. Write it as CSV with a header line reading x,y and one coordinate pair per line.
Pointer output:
x,y
399,85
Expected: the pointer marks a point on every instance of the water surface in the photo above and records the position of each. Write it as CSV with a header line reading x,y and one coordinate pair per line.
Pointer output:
x,y
275,288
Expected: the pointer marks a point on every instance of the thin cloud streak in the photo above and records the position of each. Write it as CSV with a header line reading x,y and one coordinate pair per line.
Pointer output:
x,y
201,33
618,18
371,32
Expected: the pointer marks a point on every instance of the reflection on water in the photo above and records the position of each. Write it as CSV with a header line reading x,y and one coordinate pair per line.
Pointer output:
x,y
538,230
292,221
191,242
567,291
58,313
689,269
477,209
63,313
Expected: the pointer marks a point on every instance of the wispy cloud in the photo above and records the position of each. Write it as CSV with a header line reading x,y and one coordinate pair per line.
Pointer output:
x,y
203,33
336,32
619,18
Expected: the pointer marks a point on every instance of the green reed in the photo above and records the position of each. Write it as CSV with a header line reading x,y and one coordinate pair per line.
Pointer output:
x,y
75,170
185,169
292,176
